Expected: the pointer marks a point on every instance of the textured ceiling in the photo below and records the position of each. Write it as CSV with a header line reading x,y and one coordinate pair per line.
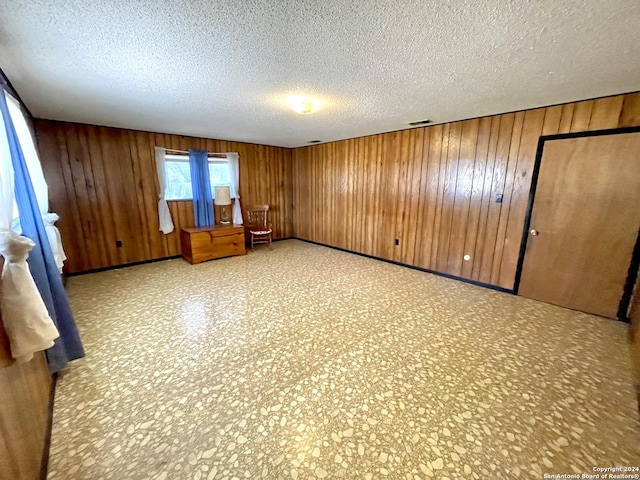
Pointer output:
x,y
223,69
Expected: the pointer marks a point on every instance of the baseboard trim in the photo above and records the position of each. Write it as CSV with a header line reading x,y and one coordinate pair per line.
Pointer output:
x,y
44,464
143,262
413,267
125,265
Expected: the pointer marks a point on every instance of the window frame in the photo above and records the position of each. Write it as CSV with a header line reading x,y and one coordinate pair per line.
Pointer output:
x,y
27,142
184,158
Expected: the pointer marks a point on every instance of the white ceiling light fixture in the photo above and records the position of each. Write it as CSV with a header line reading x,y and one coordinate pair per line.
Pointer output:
x,y
303,105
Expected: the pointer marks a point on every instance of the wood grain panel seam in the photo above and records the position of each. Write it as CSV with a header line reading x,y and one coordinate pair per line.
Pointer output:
x,y
455,188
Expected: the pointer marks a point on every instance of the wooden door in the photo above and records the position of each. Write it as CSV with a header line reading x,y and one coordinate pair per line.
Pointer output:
x,y
586,214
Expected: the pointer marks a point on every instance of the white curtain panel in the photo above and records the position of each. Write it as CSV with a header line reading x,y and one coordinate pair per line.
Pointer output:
x,y
24,313
164,215
30,154
234,167
37,179
54,239
7,205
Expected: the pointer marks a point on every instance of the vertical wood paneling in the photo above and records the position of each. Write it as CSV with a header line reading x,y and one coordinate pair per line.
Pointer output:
x,y
531,131
24,408
423,155
481,249
141,205
435,188
103,184
339,188
462,195
630,115
552,118
57,187
582,116
376,155
119,206
429,193
443,151
498,187
74,219
404,147
82,175
476,195
412,195
606,111
566,118
358,188
102,205
634,316
512,160
449,196
391,171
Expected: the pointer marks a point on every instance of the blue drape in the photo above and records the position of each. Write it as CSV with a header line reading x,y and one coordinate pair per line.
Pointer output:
x,y
41,262
202,199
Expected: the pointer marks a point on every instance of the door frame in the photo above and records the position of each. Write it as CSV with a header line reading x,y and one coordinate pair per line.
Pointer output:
x,y
635,257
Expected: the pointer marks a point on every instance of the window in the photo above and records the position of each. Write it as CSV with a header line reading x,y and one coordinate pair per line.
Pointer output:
x,y
179,176
7,200
30,154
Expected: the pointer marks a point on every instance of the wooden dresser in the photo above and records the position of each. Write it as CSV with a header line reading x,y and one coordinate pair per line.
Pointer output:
x,y
206,243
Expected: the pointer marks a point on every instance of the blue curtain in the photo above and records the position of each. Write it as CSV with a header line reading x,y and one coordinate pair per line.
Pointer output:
x,y
202,199
43,267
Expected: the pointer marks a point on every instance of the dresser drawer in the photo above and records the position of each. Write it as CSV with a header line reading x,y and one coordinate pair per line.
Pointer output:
x,y
200,240
218,247
202,244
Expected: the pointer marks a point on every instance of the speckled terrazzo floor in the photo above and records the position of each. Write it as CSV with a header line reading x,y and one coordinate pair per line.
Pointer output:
x,y
305,362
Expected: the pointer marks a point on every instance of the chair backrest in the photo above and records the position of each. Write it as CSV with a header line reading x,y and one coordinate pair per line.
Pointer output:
x,y
258,216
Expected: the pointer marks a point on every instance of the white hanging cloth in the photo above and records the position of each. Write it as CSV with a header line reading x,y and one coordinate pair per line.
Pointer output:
x,y
164,214
234,168
24,314
54,239
37,179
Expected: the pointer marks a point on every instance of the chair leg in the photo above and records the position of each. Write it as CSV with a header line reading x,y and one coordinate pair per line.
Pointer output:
x,y
270,239
252,241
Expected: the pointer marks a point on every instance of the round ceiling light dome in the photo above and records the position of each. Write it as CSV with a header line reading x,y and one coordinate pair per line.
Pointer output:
x,y
303,105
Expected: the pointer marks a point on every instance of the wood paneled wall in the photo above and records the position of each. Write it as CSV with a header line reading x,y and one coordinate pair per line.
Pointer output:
x,y
634,316
24,412
434,188
103,184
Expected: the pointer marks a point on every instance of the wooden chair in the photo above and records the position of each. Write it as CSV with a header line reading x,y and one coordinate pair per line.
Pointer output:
x,y
258,225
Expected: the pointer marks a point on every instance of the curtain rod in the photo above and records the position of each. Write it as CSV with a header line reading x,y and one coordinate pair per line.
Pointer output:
x,y
187,152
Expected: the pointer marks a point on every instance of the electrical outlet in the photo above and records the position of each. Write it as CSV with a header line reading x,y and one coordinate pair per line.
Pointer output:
x,y
118,243
499,198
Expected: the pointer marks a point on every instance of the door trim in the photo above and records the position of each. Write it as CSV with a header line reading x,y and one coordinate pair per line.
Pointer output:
x,y
635,259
